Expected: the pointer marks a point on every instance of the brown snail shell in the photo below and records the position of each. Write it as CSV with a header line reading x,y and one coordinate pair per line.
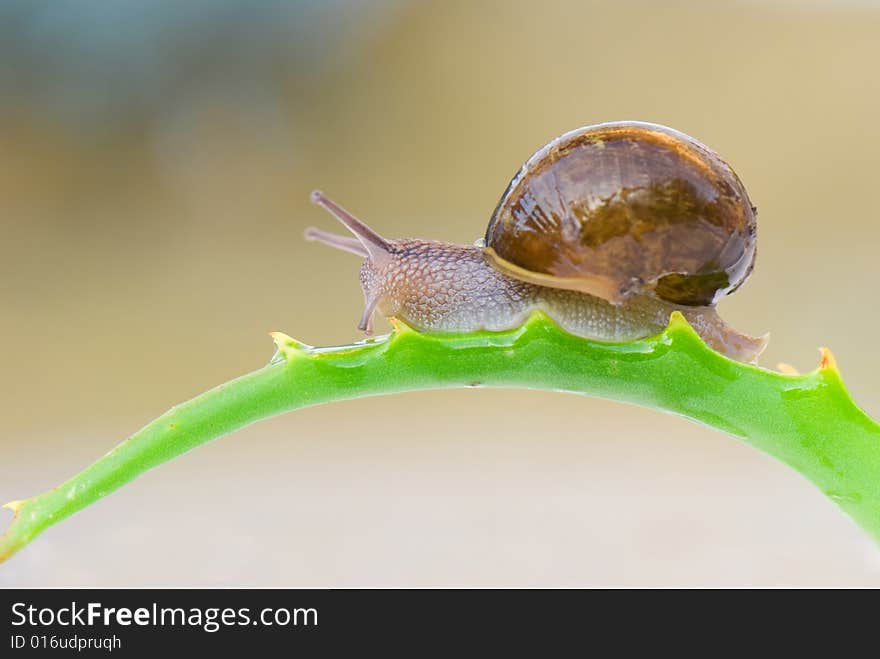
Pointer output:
x,y
621,208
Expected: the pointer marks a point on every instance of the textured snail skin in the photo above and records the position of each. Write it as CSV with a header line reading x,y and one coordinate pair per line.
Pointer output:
x,y
622,208
440,287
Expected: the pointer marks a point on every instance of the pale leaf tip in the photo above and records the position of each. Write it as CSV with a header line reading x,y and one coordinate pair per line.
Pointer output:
x,y
399,326
678,323
539,319
827,361
14,506
287,345
677,319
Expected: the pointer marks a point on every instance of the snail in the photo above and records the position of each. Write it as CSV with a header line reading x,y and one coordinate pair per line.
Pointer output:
x,y
607,229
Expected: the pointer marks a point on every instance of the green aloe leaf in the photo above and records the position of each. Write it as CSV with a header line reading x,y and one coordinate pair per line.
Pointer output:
x,y
807,421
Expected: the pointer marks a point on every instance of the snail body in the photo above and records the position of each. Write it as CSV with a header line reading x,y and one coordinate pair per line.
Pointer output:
x,y
678,242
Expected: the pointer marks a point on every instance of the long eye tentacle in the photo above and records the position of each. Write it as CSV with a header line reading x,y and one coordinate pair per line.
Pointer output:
x,y
375,244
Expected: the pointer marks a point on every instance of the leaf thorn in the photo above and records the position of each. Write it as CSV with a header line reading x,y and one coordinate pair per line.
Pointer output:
x,y
14,506
827,362
399,326
288,346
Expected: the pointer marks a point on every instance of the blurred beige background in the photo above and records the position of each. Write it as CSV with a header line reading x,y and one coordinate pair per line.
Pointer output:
x,y
154,174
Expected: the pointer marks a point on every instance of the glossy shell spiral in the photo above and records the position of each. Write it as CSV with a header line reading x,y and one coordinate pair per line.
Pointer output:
x,y
621,208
